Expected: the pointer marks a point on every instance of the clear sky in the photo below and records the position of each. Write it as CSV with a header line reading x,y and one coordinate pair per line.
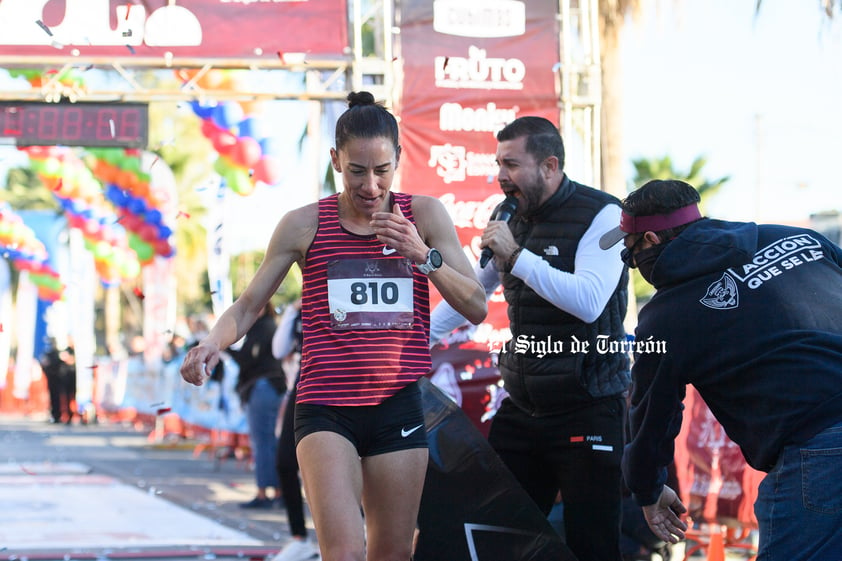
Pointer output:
x,y
759,96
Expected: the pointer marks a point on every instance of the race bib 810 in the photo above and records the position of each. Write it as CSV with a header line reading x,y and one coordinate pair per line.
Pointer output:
x,y
370,294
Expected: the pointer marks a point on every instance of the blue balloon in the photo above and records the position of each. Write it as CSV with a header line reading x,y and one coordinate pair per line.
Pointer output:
x,y
269,146
153,216
116,195
227,115
202,111
252,128
164,231
136,205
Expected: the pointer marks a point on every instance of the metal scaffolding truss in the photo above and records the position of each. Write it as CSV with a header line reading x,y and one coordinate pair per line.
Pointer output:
x,y
580,82
368,64
323,79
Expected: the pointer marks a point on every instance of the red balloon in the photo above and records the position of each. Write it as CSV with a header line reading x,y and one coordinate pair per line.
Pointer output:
x,y
131,222
268,170
224,142
148,232
91,227
246,152
162,248
209,128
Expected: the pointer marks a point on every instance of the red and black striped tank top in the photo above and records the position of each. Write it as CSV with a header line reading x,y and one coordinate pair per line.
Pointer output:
x,y
365,315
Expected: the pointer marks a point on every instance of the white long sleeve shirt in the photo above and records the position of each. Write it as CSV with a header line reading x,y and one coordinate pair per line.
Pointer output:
x,y
582,293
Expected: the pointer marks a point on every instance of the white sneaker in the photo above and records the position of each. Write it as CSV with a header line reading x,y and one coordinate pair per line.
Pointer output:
x,y
297,550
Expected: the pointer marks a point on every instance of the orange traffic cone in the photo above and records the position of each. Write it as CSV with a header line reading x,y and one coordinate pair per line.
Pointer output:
x,y
716,546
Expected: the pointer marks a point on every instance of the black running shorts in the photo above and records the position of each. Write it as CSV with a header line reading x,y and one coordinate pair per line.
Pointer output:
x,y
396,424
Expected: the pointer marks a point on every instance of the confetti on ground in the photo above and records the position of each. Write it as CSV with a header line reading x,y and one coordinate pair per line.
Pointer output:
x,y
446,60
43,26
281,57
26,471
131,49
139,293
163,410
128,9
182,213
155,161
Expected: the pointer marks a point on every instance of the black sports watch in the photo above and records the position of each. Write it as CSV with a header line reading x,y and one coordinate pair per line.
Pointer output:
x,y
434,262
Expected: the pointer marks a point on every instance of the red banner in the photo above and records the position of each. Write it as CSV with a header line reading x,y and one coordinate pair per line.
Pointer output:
x,y
243,29
716,483
469,68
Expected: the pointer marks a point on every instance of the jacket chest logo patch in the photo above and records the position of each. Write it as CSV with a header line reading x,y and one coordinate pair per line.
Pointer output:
x,y
551,250
722,294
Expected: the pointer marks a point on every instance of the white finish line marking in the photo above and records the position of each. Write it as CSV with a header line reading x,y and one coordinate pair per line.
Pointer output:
x,y
76,511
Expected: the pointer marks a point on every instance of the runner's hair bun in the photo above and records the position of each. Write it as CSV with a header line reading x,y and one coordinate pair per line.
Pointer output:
x,y
360,98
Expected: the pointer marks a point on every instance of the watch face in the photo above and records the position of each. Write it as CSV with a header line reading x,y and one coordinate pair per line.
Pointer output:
x,y
435,258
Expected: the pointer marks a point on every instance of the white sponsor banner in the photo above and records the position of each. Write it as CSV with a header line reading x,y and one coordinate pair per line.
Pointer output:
x,y
5,324
81,306
27,310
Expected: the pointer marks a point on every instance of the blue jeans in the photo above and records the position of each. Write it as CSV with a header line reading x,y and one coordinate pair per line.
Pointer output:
x,y
799,503
262,413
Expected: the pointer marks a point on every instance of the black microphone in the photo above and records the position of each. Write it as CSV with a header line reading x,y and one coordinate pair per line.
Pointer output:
x,y
504,211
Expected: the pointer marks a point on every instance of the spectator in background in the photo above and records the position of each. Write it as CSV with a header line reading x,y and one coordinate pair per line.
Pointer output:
x,y
59,368
286,345
261,386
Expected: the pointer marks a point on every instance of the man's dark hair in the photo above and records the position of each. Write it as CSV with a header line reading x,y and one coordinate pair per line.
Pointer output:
x,y
542,138
365,118
661,196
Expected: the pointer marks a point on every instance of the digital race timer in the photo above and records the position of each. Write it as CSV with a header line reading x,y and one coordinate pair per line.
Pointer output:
x,y
32,123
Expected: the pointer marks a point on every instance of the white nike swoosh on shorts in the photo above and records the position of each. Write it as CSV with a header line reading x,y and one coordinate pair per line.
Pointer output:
x,y
388,250
405,433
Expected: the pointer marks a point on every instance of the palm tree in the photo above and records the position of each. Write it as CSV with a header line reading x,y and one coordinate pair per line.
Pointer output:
x,y
189,159
24,191
612,16
662,168
829,6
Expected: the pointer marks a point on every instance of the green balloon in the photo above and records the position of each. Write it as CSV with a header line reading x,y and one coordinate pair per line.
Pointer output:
x,y
239,181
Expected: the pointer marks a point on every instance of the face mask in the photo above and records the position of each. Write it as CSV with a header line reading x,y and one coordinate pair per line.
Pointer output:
x,y
645,260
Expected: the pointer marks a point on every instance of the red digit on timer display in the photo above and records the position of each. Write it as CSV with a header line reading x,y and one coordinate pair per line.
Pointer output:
x,y
75,124
130,124
105,124
12,123
48,124
72,125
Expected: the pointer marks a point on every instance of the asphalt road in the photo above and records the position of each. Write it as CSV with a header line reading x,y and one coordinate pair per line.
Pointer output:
x,y
109,490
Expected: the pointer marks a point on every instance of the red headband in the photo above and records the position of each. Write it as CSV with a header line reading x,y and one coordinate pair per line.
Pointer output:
x,y
658,222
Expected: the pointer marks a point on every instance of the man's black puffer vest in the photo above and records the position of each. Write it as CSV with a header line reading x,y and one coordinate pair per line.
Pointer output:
x,y
561,381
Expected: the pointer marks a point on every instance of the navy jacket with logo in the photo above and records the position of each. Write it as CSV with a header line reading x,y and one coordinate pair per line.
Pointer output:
x,y
751,315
